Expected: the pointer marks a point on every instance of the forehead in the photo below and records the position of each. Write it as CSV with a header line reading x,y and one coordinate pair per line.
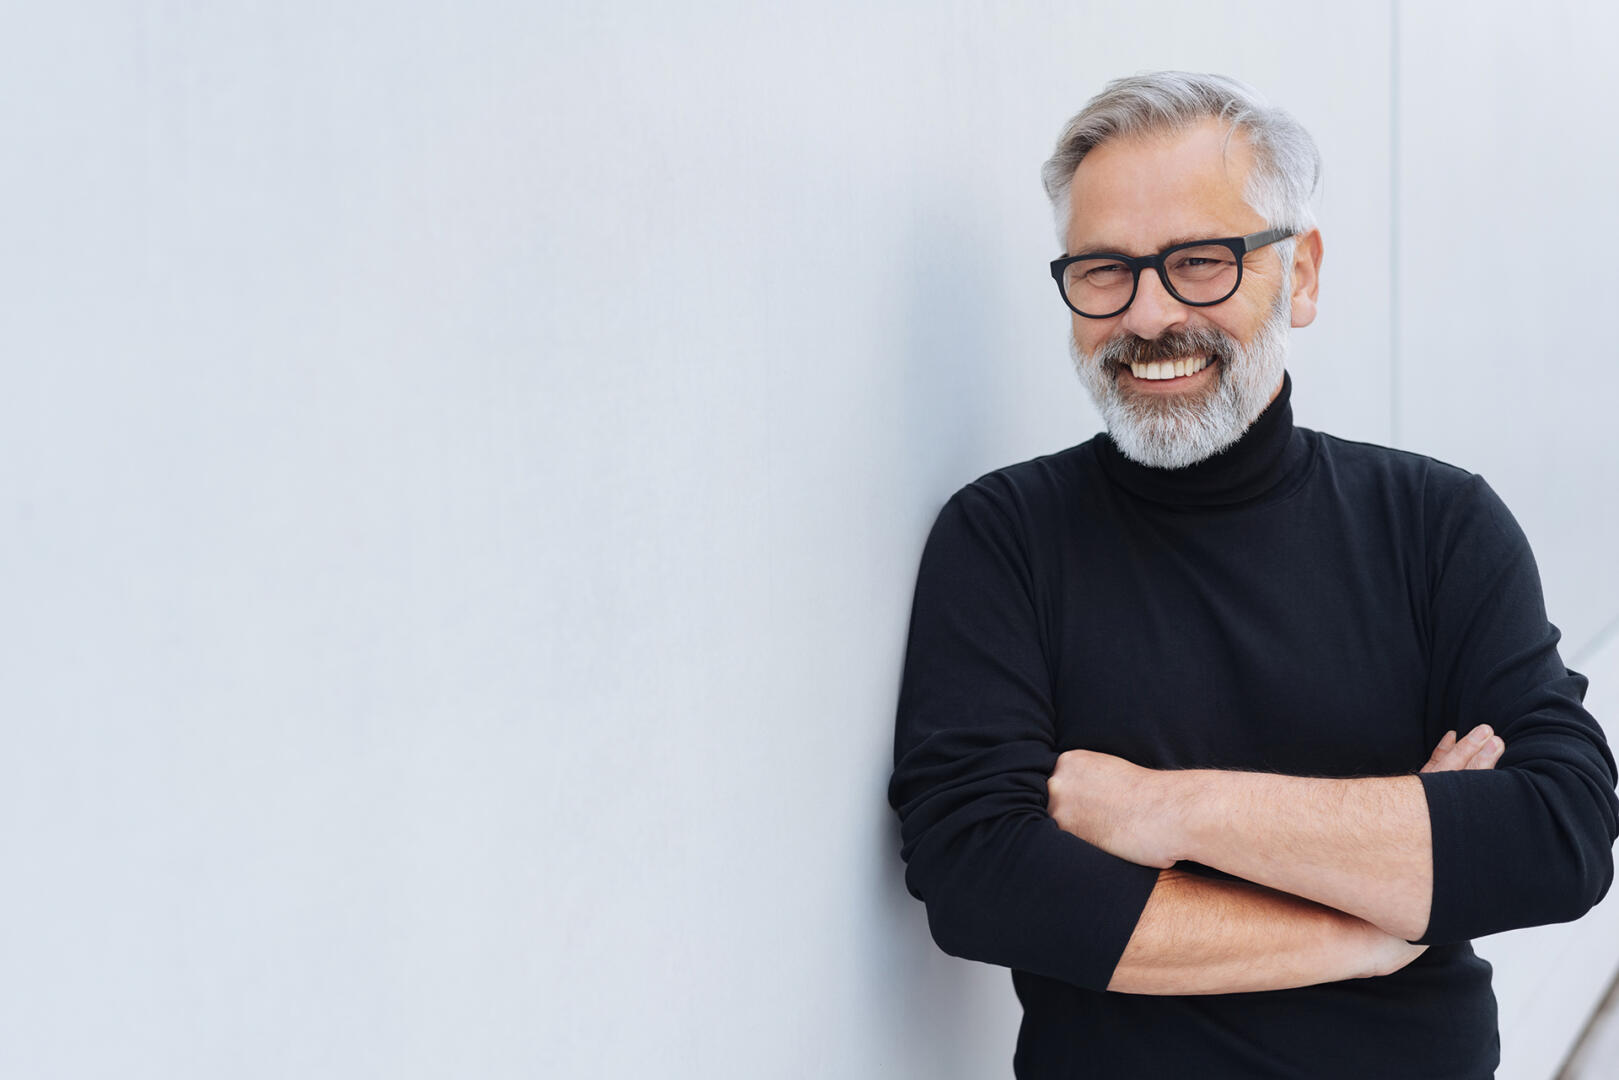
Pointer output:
x,y
1136,195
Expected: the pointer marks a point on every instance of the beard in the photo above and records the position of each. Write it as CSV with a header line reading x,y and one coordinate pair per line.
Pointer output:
x,y
1173,431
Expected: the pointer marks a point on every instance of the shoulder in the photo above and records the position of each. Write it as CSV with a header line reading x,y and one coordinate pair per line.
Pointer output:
x,y
1032,490
1405,466
1446,502
1019,511
1429,483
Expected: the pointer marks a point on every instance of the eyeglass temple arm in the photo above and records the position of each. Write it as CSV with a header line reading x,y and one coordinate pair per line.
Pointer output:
x,y
1260,239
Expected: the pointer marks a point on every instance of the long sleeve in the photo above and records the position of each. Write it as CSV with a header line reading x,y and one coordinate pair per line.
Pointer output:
x,y
974,746
1529,842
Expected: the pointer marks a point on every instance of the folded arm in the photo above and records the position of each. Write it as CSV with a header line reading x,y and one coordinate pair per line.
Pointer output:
x,y
1361,846
1006,886
1199,935
1443,856
974,751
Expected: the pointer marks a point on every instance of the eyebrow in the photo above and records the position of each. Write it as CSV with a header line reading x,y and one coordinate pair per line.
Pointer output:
x,y
1171,242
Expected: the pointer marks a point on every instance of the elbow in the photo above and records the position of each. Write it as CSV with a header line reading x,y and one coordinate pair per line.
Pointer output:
x,y
1036,901
960,920
1578,879
968,932
1568,896
1602,878
1586,882
1587,864
952,933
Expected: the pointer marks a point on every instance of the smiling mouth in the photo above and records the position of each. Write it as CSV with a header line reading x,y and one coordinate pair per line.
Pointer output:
x,y
1165,370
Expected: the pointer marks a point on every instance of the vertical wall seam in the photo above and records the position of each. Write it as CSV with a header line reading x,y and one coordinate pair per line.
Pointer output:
x,y
1395,325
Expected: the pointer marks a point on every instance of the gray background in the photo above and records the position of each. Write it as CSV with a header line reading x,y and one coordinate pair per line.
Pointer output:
x,y
464,467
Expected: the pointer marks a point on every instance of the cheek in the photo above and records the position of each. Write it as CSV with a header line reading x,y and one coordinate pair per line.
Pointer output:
x,y
1089,334
1241,324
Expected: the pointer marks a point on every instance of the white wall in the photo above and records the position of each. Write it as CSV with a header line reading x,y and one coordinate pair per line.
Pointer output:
x,y
465,467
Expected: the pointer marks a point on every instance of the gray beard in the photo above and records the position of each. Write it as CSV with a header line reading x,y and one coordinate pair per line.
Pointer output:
x,y
1172,433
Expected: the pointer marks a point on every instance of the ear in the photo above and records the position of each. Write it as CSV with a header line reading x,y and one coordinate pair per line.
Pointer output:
x,y
1306,277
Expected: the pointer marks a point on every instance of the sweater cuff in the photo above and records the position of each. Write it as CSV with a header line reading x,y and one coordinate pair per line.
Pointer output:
x,y
1461,844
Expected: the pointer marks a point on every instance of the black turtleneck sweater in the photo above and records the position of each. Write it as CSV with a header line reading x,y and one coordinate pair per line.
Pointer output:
x,y
1298,604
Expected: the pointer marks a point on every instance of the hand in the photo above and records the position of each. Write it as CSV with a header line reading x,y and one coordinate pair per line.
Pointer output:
x,y
1123,809
1480,750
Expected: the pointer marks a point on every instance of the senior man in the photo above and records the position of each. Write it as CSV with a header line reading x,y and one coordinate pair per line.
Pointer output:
x,y
1178,731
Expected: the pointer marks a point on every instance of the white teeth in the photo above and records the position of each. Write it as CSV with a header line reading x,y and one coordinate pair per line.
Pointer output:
x,y
1170,369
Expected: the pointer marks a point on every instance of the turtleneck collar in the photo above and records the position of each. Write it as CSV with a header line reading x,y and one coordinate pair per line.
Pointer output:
x,y
1269,452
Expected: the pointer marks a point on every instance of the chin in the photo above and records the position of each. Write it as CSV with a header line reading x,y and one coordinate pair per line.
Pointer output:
x,y
1175,430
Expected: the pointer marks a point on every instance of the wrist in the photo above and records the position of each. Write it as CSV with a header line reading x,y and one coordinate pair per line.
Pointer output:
x,y
1178,807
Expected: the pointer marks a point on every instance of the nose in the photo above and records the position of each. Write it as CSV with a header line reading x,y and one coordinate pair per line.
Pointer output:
x,y
1153,310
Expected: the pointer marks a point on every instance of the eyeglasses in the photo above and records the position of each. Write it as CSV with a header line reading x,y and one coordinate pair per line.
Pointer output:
x,y
1100,285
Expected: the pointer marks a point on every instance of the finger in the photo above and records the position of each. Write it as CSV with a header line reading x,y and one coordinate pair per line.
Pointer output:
x,y
1455,756
1488,754
1436,759
1476,740
1467,749
1461,753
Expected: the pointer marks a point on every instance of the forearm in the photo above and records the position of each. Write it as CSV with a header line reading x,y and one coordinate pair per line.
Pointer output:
x,y
1362,846
1203,936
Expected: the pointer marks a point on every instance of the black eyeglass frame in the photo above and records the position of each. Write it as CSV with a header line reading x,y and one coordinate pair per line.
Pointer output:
x,y
1239,246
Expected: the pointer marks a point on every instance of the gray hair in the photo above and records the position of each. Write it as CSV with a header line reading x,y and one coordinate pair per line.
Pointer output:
x,y
1287,165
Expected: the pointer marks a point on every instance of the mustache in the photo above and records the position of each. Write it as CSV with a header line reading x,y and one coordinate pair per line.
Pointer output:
x,y
1127,348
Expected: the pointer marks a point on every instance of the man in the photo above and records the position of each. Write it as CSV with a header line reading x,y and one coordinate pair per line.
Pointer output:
x,y
1226,735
